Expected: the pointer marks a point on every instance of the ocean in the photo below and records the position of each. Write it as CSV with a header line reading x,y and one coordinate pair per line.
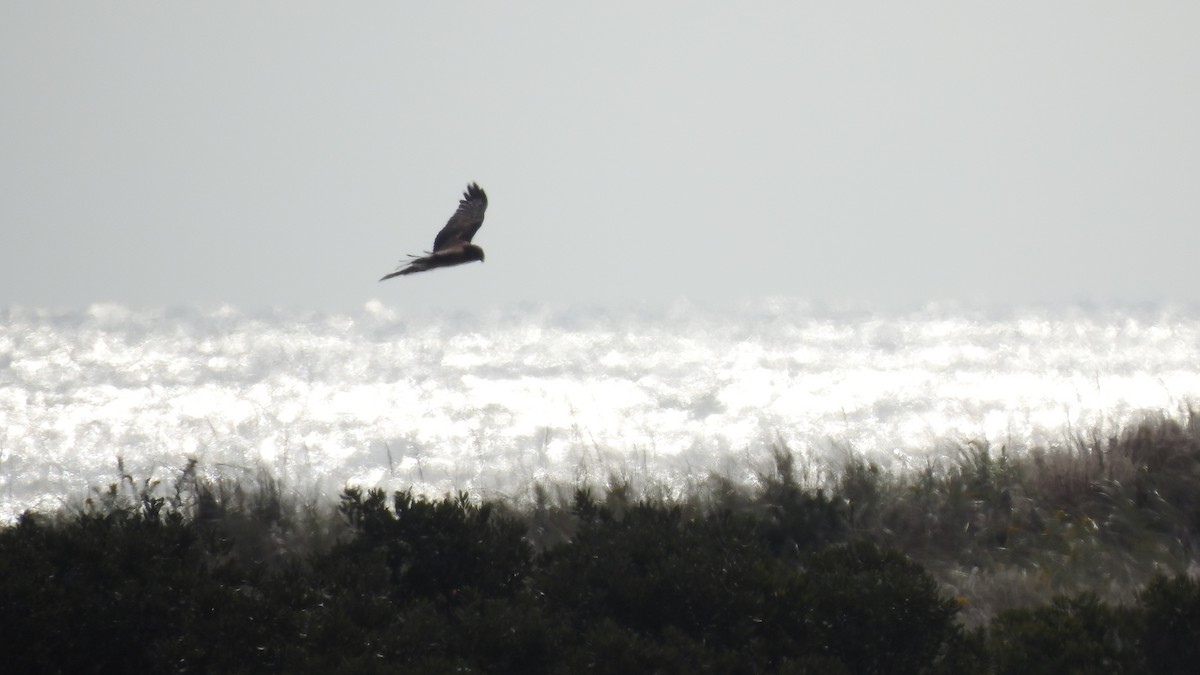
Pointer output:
x,y
496,402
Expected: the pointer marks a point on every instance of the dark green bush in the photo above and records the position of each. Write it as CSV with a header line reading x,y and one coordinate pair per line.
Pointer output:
x,y
874,610
437,548
1070,635
1171,615
794,520
228,576
658,573
123,590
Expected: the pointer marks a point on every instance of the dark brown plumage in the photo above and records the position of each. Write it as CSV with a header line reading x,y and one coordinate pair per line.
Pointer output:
x,y
452,246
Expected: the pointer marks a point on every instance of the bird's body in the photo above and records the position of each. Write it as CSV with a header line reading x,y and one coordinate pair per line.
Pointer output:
x,y
452,246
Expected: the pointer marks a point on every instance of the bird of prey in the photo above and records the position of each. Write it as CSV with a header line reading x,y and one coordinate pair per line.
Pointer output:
x,y
452,246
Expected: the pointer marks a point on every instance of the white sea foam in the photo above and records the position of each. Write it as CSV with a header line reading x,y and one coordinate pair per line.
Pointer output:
x,y
493,403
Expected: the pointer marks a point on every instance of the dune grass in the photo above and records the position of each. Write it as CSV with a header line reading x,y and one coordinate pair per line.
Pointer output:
x,y
1078,557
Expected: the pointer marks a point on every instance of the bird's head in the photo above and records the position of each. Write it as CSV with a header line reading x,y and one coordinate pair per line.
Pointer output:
x,y
473,252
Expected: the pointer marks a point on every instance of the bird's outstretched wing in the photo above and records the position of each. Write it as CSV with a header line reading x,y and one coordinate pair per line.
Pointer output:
x,y
453,244
466,221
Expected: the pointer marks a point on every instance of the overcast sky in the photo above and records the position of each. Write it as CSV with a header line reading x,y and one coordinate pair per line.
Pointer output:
x,y
887,154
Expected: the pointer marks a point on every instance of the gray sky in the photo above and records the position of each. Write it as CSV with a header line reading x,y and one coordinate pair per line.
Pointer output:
x,y
886,154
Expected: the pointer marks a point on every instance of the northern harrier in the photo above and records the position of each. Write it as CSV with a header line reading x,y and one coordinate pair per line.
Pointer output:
x,y
453,246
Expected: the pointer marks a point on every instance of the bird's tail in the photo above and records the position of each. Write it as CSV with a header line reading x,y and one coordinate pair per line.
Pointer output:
x,y
414,265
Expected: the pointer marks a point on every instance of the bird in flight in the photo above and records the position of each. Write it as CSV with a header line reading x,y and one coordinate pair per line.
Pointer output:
x,y
452,246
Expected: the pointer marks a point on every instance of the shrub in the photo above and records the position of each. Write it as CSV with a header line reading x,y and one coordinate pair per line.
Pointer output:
x,y
1171,612
652,569
116,591
874,610
437,548
705,585
1070,635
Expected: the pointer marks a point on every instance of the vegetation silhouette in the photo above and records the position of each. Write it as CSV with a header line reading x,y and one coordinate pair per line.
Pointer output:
x,y
1078,558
